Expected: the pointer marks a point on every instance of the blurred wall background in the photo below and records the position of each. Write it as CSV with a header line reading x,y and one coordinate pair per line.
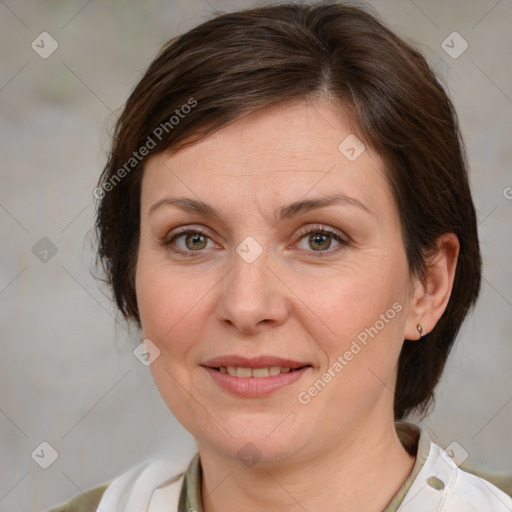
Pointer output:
x,y
68,375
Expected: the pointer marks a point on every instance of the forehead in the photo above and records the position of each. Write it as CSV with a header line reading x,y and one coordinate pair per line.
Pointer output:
x,y
276,155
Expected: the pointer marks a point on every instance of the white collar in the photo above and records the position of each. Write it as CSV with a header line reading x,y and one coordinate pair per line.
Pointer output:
x,y
151,486
440,486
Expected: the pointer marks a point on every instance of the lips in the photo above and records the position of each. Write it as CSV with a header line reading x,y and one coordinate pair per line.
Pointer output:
x,y
253,377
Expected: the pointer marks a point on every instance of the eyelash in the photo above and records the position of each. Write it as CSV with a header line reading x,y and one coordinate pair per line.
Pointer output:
x,y
317,229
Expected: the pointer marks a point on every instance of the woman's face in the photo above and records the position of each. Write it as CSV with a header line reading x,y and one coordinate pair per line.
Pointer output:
x,y
271,275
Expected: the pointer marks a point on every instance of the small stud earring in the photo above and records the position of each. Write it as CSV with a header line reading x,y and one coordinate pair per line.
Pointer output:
x,y
420,329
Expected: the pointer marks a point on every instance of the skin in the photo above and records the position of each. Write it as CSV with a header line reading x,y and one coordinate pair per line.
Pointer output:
x,y
326,454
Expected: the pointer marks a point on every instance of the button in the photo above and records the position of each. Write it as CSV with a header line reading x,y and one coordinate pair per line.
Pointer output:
x,y
435,483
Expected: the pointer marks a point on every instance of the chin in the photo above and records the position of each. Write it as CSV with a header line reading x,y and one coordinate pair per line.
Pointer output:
x,y
259,442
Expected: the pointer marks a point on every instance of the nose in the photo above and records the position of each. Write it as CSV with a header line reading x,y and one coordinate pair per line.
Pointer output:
x,y
252,296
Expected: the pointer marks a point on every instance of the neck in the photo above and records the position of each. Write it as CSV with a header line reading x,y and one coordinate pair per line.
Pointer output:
x,y
342,477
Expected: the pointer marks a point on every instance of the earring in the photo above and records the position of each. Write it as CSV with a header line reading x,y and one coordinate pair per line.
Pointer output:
x,y
420,329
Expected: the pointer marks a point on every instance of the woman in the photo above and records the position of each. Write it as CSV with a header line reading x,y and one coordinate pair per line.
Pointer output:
x,y
286,216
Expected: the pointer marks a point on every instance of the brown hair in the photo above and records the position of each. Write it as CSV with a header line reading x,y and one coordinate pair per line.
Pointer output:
x,y
237,63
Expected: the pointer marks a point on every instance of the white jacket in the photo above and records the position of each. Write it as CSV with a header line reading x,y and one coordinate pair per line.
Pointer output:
x,y
440,486
462,492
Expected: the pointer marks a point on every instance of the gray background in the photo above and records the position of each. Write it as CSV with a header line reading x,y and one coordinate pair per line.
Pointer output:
x,y
68,374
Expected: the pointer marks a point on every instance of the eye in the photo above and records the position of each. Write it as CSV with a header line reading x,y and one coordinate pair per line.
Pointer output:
x,y
319,238
188,240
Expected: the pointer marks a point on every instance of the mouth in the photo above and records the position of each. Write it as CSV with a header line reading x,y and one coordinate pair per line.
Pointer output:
x,y
262,372
263,366
255,377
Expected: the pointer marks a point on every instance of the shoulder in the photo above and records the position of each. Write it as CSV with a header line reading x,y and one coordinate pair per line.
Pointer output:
x,y
466,492
84,502
475,493
137,485
442,486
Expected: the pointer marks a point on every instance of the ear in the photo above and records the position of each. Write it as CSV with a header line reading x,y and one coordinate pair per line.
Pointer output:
x,y
430,298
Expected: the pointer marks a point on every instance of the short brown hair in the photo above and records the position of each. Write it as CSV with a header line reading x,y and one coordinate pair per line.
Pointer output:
x,y
237,63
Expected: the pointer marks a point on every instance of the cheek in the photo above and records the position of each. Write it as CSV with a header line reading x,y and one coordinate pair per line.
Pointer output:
x,y
356,301
360,317
171,304
171,314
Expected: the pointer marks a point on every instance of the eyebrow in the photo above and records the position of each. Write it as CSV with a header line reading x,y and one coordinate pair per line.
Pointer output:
x,y
285,212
